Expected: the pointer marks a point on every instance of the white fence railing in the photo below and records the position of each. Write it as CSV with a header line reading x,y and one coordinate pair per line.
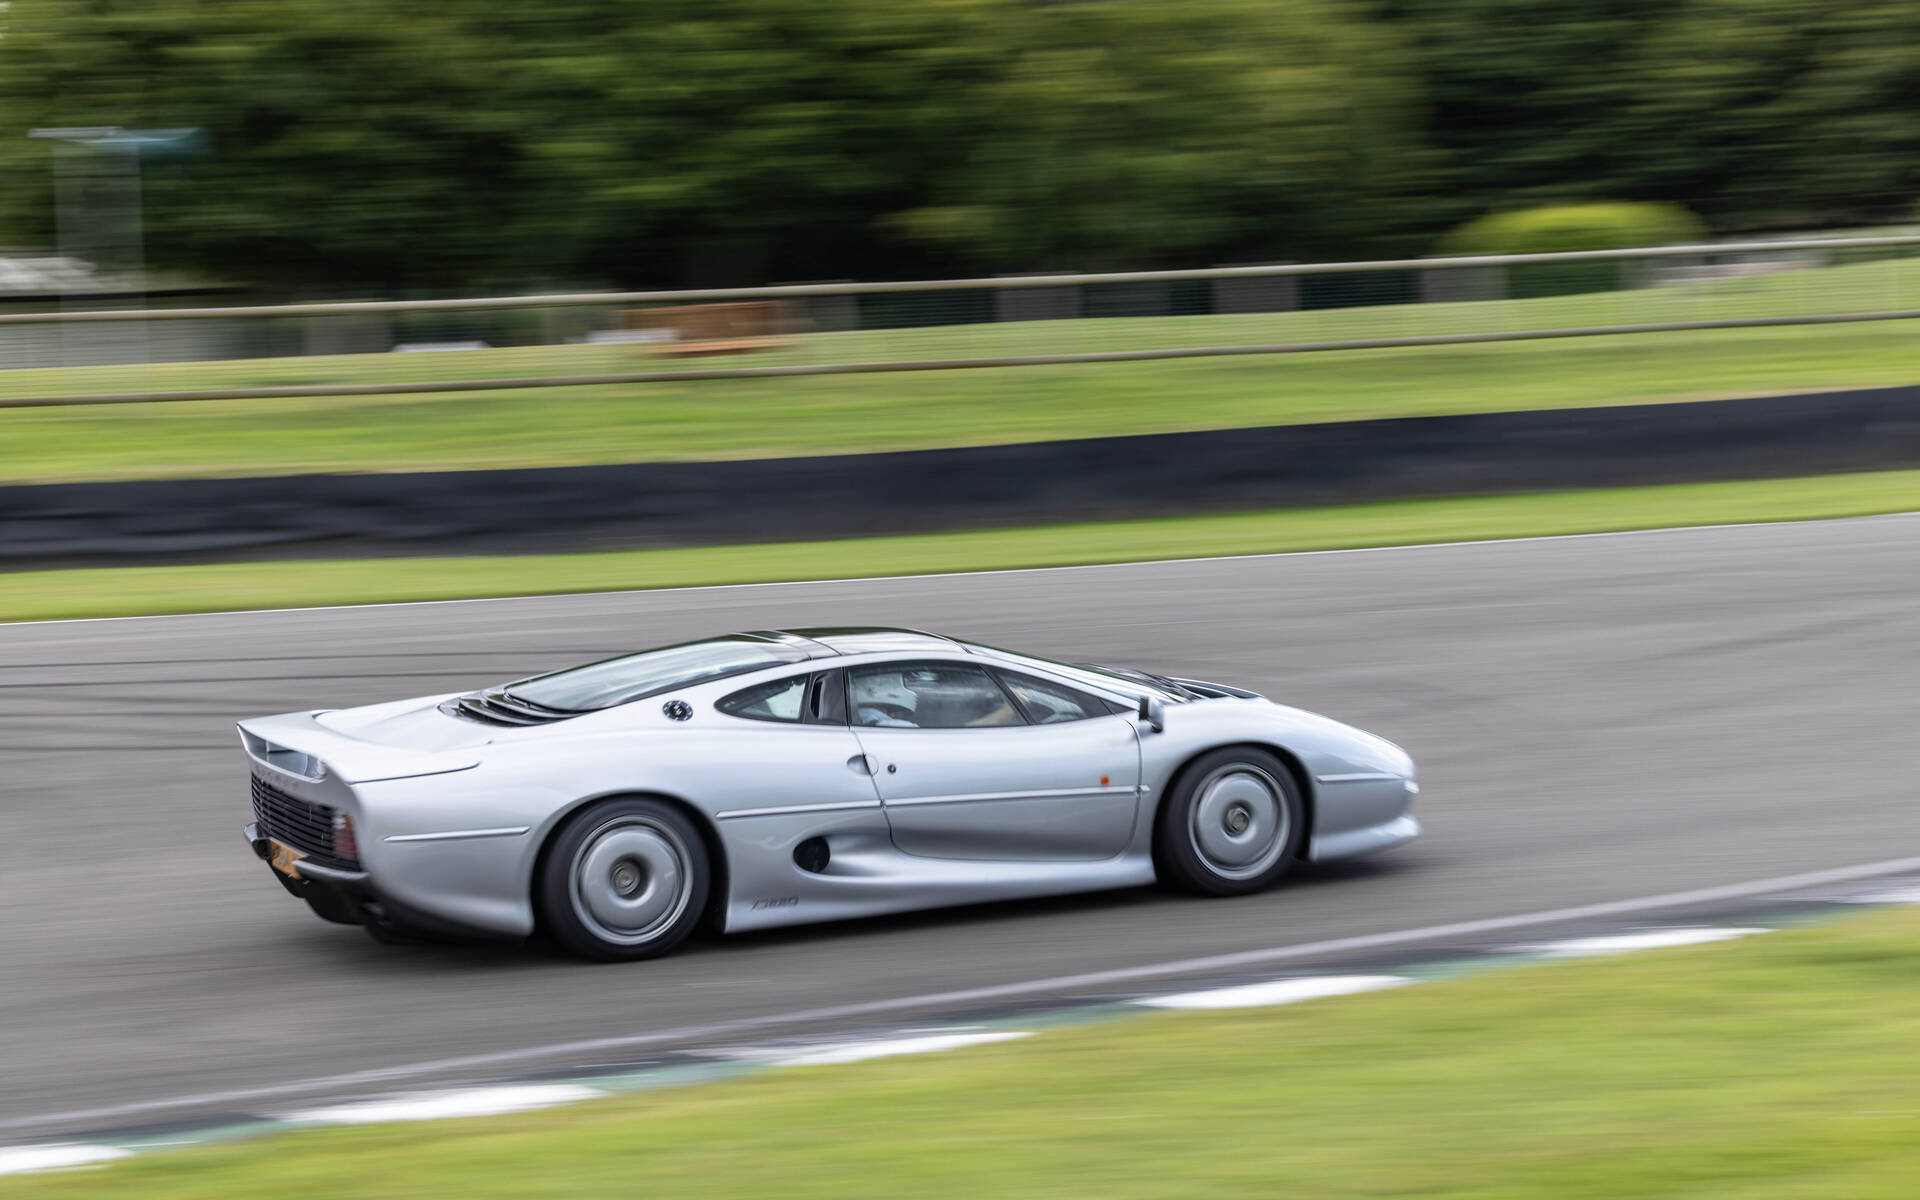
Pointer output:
x,y
124,356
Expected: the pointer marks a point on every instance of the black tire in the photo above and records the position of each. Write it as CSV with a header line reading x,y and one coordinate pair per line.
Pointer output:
x,y
1232,823
624,879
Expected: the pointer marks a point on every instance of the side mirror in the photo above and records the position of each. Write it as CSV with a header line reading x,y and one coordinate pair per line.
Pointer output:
x,y
1153,714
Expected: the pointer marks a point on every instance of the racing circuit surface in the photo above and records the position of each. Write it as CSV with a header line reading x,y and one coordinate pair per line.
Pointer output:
x,y
1595,719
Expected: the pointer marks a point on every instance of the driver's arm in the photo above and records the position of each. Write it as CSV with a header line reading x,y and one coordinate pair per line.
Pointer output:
x,y
871,716
997,717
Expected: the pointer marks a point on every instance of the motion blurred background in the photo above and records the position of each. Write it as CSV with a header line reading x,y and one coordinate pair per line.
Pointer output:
x,y
377,149
315,242
293,239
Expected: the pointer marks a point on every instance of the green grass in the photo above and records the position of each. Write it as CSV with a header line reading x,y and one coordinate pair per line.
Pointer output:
x,y
125,591
1776,1068
682,420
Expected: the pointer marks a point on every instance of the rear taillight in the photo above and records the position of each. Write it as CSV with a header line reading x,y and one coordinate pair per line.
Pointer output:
x,y
346,843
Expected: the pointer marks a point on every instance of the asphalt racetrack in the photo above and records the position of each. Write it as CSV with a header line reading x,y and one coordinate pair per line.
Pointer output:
x,y
1595,718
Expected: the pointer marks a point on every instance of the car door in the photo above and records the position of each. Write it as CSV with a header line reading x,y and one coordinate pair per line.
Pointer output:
x,y
975,763
782,746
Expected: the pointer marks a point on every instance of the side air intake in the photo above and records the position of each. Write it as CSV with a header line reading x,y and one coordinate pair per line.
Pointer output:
x,y
812,855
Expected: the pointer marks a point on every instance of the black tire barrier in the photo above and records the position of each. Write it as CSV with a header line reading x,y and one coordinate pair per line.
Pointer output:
x,y
697,503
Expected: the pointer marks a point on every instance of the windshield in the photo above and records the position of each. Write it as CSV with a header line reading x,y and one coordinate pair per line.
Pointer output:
x,y
630,677
1131,683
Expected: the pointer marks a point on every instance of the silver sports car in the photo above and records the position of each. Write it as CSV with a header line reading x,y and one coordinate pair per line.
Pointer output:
x,y
781,777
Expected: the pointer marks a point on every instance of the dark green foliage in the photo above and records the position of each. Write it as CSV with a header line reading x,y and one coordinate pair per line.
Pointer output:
x,y
1753,113
402,146
1570,227
467,145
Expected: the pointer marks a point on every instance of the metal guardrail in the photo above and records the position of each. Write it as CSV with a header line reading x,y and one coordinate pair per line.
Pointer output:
x,y
1023,336
956,364
791,291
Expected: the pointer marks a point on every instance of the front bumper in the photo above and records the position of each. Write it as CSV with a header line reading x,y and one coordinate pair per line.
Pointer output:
x,y
350,898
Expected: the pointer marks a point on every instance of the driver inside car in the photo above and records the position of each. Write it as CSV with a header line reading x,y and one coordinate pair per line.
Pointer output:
x,y
930,697
884,700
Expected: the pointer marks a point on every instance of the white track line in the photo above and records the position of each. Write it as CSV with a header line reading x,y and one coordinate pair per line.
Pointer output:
x,y
833,1053
1146,562
1060,984
56,1156
1276,991
438,1106
1629,943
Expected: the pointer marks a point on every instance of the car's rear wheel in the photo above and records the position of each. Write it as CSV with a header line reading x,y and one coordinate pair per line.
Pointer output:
x,y
1232,823
624,879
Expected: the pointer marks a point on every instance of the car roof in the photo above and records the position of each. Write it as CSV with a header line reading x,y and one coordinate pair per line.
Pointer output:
x,y
846,640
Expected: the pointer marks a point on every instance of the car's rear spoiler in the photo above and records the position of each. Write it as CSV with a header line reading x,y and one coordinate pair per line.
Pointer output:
x,y
298,745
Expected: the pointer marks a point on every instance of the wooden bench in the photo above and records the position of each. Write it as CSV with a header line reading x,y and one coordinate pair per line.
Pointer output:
x,y
735,327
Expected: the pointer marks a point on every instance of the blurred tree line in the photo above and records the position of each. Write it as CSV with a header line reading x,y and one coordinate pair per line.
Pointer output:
x,y
404,146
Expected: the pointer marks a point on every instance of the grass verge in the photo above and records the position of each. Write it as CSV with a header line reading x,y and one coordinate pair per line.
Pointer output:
x,y
690,420
1773,1068
130,591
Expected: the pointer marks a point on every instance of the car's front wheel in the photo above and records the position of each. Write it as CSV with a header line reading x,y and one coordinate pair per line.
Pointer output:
x,y
1232,823
624,879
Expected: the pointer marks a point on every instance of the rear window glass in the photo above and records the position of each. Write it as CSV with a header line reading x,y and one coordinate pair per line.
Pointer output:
x,y
633,676
776,701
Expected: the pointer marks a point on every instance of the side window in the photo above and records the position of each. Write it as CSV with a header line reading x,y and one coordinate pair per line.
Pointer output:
x,y
1051,703
928,696
776,701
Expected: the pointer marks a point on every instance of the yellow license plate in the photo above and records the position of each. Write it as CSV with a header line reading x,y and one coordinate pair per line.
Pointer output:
x,y
283,858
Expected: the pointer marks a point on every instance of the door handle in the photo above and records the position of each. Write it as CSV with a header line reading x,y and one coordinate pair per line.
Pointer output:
x,y
859,764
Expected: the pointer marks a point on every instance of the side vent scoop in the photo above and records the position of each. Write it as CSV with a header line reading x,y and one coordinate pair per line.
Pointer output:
x,y
812,855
